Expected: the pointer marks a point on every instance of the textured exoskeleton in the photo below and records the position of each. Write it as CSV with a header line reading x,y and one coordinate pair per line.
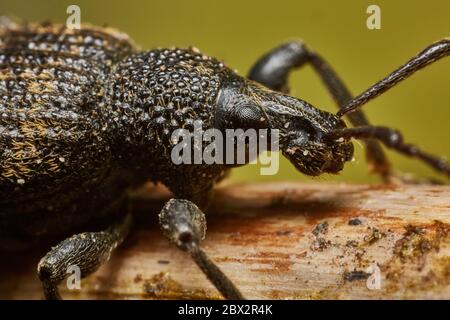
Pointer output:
x,y
85,116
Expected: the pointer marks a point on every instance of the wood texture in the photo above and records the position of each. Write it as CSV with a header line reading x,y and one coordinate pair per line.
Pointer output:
x,y
278,241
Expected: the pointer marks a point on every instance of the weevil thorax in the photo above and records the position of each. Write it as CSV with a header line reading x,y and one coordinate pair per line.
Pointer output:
x,y
154,93
301,127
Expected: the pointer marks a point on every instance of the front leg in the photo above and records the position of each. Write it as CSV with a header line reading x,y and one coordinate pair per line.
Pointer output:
x,y
88,251
184,224
392,139
273,68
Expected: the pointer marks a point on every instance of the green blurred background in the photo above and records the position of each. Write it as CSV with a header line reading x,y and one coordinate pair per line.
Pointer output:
x,y
238,32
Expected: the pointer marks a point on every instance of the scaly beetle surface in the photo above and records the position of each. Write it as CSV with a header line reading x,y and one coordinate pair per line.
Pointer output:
x,y
85,116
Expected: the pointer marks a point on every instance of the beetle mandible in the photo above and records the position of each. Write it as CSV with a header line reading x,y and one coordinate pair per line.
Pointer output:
x,y
85,116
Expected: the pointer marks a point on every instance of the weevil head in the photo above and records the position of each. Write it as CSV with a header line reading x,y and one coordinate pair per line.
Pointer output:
x,y
301,127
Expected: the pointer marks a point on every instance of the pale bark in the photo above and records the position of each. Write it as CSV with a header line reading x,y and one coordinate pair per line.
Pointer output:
x,y
280,240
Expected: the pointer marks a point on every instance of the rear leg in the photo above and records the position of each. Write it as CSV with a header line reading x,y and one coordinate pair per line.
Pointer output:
x,y
87,251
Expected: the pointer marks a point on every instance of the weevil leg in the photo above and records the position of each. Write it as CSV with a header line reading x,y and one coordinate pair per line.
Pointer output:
x,y
392,139
432,53
184,224
273,68
86,251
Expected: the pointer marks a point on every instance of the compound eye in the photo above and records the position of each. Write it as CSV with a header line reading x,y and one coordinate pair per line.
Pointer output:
x,y
249,116
306,129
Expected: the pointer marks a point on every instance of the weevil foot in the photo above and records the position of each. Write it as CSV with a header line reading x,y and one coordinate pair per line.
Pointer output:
x,y
184,224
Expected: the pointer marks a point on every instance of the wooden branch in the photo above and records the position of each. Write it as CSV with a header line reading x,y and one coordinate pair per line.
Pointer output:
x,y
279,241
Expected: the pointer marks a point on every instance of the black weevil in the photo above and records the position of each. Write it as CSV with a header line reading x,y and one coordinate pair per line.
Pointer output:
x,y
85,116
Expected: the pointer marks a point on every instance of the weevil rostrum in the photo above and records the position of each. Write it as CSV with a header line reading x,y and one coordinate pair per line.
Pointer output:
x,y
85,116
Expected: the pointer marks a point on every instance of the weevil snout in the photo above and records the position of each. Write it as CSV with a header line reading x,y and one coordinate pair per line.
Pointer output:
x,y
307,145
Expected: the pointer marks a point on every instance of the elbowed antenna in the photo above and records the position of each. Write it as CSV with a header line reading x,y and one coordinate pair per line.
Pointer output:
x,y
393,139
429,55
